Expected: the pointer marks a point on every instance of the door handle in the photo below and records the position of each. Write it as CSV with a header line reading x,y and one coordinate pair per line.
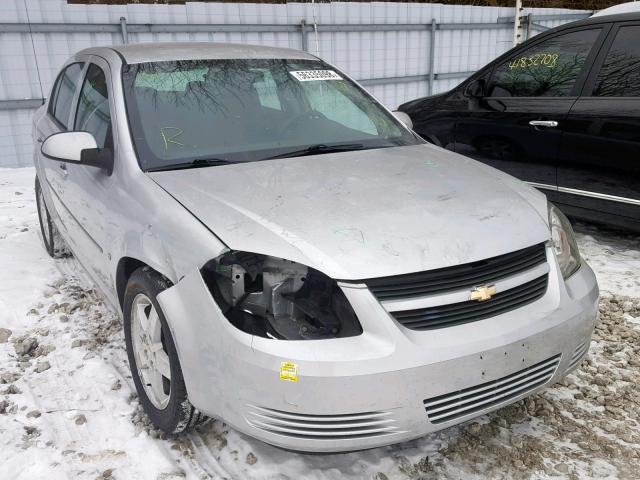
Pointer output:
x,y
63,167
544,123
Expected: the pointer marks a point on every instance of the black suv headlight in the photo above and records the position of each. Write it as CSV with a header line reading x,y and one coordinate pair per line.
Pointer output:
x,y
276,298
564,242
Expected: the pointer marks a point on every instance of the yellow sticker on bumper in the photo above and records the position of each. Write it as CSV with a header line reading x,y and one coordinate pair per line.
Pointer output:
x,y
288,372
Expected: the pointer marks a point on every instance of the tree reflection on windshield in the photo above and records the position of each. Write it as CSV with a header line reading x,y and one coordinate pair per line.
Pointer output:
x,y
247,110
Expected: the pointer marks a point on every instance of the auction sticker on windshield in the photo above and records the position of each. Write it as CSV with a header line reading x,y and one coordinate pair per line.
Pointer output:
x,y
312,75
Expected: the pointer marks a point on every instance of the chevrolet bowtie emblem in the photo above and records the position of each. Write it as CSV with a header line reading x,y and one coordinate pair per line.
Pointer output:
x,y
483,293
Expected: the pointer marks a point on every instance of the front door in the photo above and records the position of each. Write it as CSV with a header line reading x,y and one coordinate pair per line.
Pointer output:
x,y
517,126
90,188
599,166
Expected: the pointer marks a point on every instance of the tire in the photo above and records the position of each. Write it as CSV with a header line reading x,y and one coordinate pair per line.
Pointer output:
x,y
164,399
53,242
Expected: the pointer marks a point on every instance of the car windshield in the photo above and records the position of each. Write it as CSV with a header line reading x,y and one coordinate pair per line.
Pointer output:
x,y
216,112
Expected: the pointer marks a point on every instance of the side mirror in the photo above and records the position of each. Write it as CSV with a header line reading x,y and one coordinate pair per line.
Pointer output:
x,y
77,147
404,118
475,89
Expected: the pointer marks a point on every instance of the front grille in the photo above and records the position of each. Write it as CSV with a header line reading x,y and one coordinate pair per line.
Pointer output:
x,y
322,427
452,406
458,277
470,311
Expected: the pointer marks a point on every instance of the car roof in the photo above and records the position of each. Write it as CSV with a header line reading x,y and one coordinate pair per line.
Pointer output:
x,y
593,20
629,7
167,51
603,18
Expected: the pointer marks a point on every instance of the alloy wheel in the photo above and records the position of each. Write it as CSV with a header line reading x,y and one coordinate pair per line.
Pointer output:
x,y
151,357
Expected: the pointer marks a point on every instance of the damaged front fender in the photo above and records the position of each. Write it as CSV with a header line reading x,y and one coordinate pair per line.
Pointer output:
x,y
204,339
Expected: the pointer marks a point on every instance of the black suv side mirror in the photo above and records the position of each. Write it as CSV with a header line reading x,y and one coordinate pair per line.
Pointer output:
x,y
475,88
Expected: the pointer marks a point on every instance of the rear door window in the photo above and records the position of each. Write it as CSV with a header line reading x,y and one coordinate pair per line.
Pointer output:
x,y
547,69
619,75
63,92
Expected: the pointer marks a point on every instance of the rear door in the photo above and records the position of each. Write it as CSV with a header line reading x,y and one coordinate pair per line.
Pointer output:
x,y
599,165
517,127
58,118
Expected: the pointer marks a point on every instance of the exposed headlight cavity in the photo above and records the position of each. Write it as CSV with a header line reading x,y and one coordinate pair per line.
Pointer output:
x,y
280,299
564,242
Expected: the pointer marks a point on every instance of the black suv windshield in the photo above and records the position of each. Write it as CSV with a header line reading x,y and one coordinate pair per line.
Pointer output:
x,y
228,111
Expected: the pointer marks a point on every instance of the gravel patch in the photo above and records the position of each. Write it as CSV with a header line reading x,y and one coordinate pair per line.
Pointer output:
x,y
585,426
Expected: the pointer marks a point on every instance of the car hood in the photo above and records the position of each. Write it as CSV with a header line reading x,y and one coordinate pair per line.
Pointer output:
x,y
364,214
421,103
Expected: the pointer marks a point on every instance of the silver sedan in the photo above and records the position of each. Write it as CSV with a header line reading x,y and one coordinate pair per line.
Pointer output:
x,y
289,257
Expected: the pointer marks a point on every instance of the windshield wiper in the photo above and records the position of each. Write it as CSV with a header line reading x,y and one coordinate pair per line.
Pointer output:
x,y
207,162
319,149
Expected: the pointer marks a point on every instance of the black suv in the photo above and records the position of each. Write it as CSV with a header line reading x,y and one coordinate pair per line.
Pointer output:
x,y
561,111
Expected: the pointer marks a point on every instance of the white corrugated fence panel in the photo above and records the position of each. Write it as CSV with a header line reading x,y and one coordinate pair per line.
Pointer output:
x,y
363,54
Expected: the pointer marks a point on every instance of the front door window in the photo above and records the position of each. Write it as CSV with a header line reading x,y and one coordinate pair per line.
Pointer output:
x,y
548,69
93,114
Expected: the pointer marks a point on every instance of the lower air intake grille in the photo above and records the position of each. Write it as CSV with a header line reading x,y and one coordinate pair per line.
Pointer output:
x,y
458,313
322,427
451,406
578,355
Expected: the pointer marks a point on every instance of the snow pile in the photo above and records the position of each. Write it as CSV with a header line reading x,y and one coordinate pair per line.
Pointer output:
x,y
68,408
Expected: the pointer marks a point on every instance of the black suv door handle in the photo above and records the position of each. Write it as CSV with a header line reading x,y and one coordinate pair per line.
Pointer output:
x,y
544,123
63,166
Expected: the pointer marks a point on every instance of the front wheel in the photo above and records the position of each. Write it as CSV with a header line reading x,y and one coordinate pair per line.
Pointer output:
x,y
53,242
153,358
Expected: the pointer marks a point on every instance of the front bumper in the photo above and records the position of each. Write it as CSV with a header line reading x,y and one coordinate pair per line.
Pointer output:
x,y
389,384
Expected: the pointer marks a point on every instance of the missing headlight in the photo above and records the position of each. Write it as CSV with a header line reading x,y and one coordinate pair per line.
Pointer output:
x,y
276,298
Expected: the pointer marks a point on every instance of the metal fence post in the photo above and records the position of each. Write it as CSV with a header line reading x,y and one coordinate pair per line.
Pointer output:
x,y
123,28
303,31
432,55
529,21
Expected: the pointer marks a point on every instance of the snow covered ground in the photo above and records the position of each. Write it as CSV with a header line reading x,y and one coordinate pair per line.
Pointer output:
x,y
614,257
68,407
